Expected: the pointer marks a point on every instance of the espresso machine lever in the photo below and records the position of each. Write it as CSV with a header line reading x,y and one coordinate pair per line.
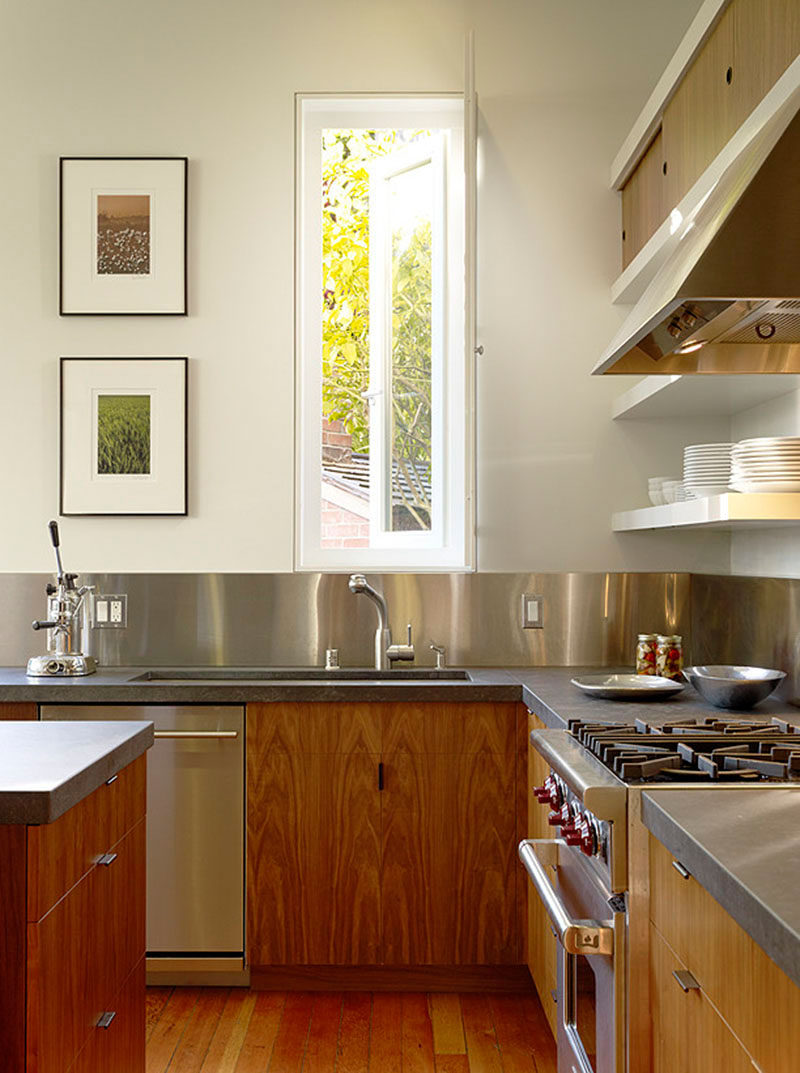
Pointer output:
x,y
68,623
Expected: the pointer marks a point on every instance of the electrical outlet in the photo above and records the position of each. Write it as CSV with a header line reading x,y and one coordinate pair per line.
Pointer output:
x,y
532,611
110,611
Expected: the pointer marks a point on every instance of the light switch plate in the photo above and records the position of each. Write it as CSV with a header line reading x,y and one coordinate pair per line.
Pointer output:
x,y
532,611
110,611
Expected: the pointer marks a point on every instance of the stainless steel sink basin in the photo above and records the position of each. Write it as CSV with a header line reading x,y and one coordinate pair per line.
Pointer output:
x,y
298,674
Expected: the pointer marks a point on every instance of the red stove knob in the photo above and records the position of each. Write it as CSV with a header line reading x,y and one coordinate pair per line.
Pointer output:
x,y
541,793
587,836
554,819
571,836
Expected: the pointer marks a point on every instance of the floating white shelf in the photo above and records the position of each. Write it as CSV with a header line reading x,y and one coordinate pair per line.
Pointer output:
x,y
730,511
699,396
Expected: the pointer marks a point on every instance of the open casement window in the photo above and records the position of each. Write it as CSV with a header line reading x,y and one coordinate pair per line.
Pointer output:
x,y
384,369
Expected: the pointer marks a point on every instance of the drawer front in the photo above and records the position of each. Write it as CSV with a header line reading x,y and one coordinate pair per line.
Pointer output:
x,y
80,954
118,938
689,1036
120,1047
60,853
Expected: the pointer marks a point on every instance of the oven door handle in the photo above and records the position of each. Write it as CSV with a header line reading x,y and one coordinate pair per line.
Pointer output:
x,y
576,936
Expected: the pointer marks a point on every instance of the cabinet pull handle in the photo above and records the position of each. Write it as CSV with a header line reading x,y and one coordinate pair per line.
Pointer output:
x,y
380,775
107,859
684,873
112,779
686,980
106,1018
208,735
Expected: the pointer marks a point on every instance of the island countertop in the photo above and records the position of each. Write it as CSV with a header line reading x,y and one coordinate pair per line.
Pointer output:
x,y
46,768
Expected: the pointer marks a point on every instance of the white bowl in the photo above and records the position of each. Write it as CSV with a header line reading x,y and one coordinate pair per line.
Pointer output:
x,y
657,498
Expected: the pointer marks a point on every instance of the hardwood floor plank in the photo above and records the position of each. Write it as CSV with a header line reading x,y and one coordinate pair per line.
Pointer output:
x,y
229,1034
386,1033
448,1027
196,1039
156,1000
451,1063
290,1042
417,1034
517,1046
323,1036
538,1031
170,1027
353,1051
259,1039
482,1049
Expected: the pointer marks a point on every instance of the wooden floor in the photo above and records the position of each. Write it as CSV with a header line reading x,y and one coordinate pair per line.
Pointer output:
x,y
221,1030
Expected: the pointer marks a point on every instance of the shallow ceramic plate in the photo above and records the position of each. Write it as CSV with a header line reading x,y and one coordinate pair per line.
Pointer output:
x,y
627,686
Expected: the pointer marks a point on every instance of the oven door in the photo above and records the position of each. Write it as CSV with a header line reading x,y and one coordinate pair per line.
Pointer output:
x,y
591,956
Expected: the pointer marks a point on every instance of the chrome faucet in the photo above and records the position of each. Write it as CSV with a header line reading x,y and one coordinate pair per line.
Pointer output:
x,y
385,652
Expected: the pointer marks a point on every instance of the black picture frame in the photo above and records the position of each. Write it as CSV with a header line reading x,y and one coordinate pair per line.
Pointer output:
x,y
67,262
66,419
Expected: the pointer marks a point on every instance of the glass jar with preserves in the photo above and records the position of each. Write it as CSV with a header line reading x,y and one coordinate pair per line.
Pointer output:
x,y
669,656
646,648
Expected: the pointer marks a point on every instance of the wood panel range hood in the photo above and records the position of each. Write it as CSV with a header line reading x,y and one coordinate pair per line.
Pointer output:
x,y
726,298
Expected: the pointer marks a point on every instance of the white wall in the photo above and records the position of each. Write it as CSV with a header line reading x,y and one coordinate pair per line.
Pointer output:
x,y
559,84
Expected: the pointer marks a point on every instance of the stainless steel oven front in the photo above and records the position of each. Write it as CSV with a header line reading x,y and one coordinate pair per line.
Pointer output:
x,y
589,922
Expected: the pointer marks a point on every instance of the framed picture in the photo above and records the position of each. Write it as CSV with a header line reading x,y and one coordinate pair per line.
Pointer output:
x,y
123,435
122,225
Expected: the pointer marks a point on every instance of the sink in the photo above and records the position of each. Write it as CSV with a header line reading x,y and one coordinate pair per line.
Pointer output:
x,y
299,674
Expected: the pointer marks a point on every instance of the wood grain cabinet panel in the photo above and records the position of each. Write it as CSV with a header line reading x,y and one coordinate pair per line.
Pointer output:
x,y
60,853
119,1048
689,1036
700,118
19,711
755,998
644,201
62,970
542,944
766,39
313,829
382,834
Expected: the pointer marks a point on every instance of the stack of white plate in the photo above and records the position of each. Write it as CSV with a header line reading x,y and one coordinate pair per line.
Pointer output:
x,y
767,464
706,469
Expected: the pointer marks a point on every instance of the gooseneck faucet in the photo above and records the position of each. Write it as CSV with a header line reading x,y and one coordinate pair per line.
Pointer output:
x,y
385,651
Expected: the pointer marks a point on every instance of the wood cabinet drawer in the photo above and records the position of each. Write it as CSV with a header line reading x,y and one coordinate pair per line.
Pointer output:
x,y
60,853
81,952
119,1048
689,1036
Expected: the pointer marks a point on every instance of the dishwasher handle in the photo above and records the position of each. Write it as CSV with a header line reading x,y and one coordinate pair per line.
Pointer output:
x,y
576,936
200,735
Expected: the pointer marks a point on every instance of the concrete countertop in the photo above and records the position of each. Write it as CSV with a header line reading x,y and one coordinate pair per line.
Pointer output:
x,y
742,846
547,691
46,768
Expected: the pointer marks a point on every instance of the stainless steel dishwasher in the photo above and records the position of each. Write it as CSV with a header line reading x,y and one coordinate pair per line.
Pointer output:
x,y
195,837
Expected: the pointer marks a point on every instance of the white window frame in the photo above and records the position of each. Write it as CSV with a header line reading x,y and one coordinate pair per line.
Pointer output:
x,y
449,545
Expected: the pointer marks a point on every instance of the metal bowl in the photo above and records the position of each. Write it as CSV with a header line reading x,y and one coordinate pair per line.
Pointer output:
x,y
733,687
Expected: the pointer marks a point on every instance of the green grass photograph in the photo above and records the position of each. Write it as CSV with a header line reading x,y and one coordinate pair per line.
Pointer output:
x,y
123,434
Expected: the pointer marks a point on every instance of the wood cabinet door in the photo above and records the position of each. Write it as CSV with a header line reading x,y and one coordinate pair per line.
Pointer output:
x,y
313,829
701,116
119,1048
542,944
644,201
448,834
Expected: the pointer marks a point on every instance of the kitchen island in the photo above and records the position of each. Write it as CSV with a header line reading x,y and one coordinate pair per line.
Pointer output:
x,y
72,826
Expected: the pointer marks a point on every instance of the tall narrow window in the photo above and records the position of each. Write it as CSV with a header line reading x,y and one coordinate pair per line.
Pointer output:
x,y
383,445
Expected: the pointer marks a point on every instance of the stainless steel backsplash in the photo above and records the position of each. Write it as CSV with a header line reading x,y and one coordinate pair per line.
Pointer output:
x,y
290,619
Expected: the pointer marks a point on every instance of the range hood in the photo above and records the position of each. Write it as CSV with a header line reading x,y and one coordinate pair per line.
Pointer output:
x,y
727,297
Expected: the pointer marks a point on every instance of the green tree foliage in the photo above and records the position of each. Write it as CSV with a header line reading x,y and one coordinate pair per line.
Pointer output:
x,y
346,159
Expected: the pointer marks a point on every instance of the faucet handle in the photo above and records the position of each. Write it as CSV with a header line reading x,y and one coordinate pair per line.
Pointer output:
x,y
409,642
441,655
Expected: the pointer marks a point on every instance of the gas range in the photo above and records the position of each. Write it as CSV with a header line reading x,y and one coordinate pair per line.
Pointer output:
x,y
592,875
694,751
